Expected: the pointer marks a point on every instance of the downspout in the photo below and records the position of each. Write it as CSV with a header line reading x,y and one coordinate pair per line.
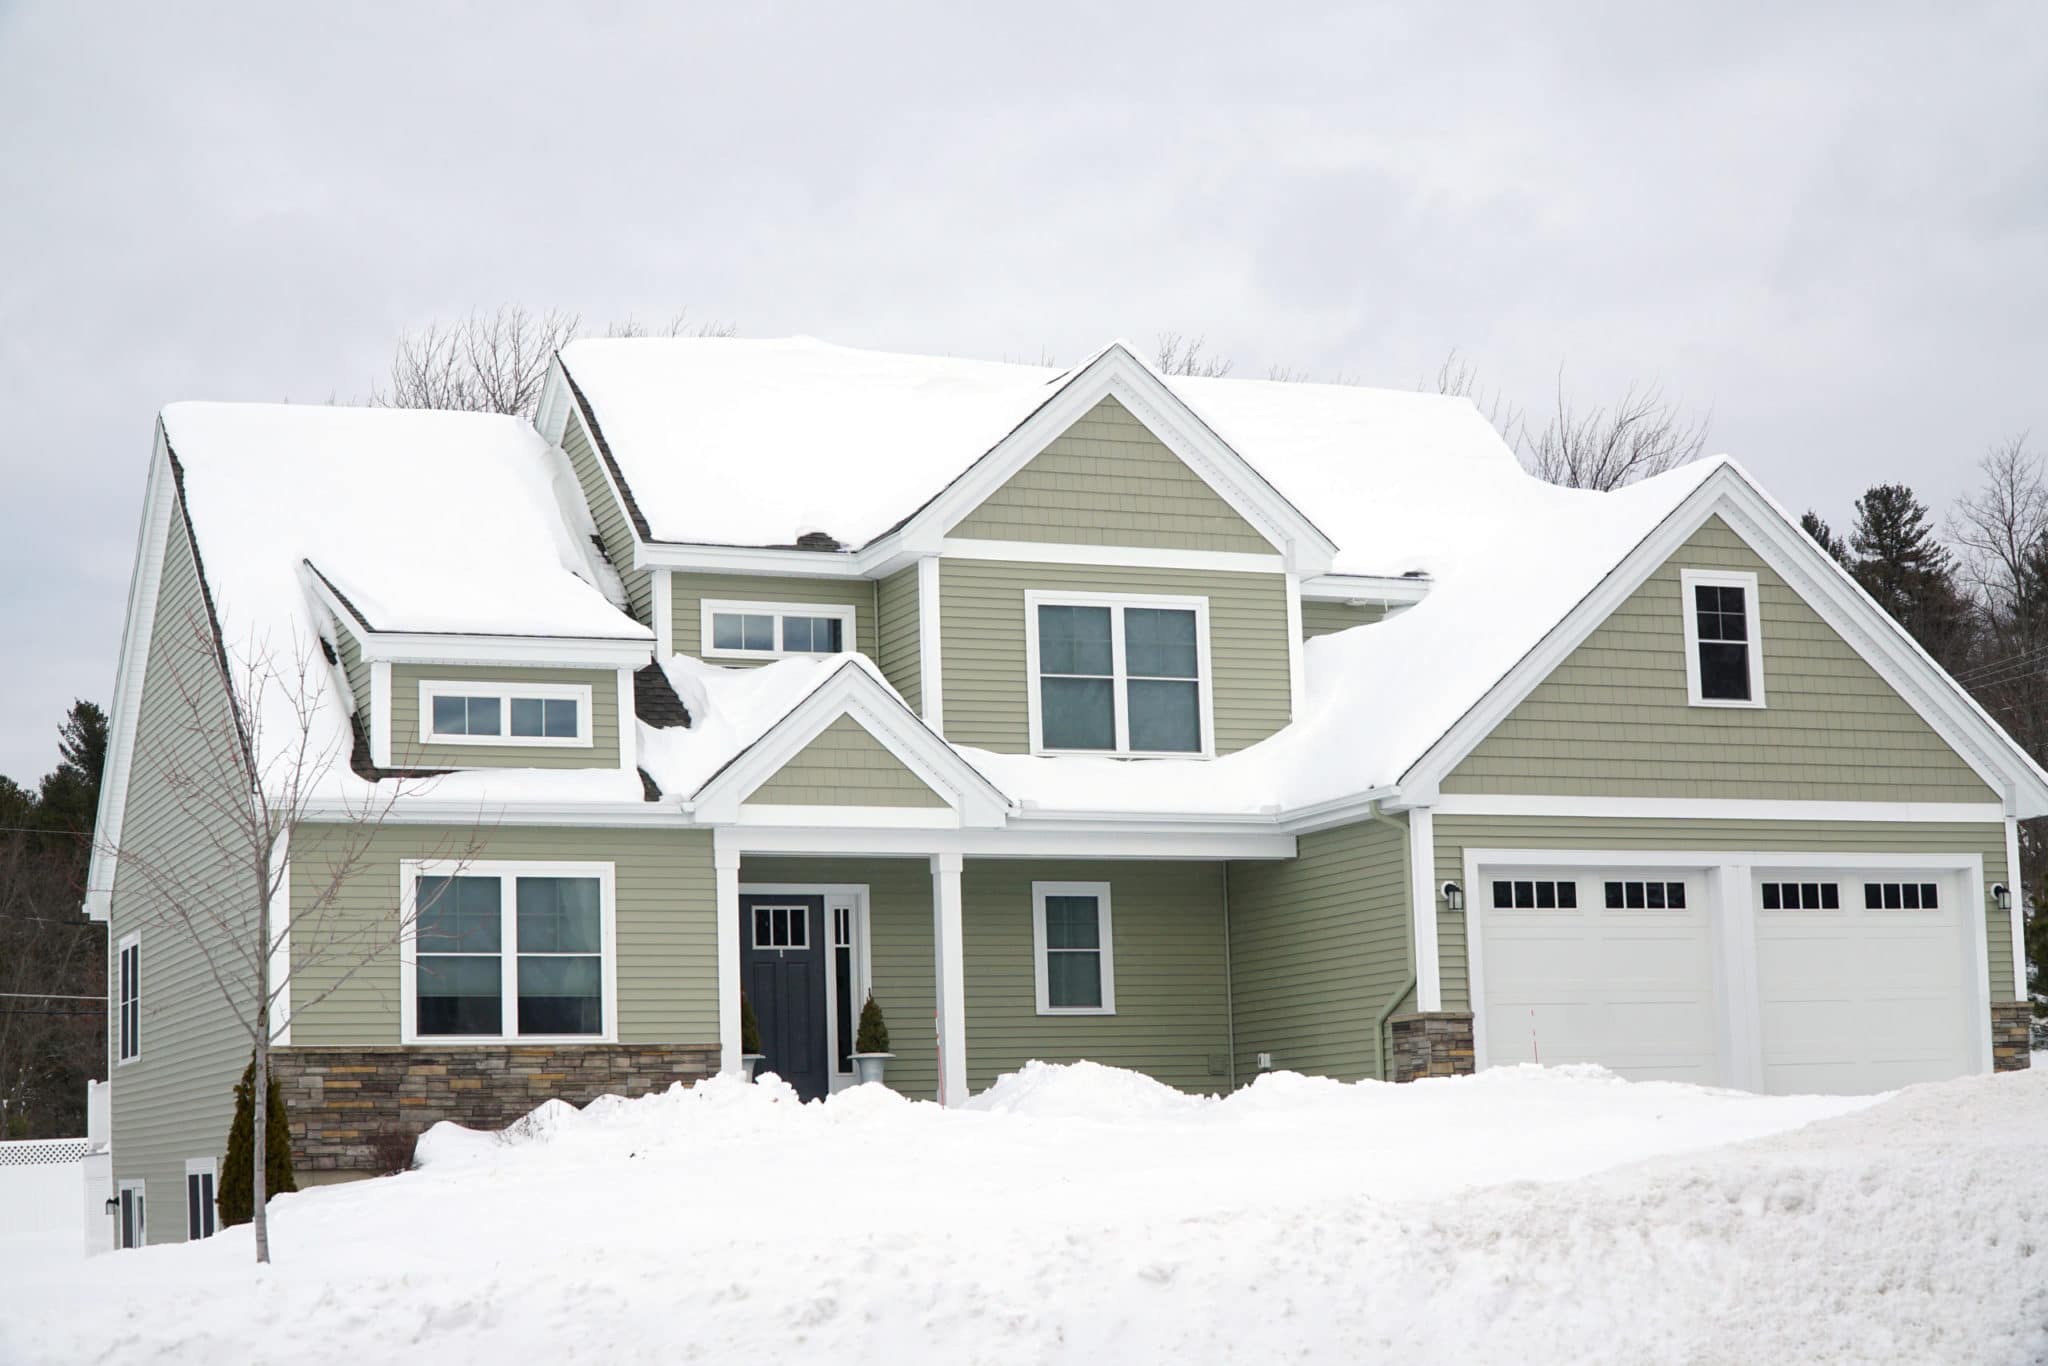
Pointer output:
x,y
1229,985
1379,1024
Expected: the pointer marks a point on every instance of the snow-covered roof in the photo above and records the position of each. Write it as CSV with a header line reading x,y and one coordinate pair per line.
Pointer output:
x,y
423,521
730,441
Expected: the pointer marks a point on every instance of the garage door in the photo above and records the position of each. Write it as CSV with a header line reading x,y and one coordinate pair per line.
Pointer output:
x,y
1861,980
1586,965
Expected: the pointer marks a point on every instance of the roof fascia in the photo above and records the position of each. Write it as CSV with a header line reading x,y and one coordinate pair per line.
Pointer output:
x,y
143,585
1882,643
1381,588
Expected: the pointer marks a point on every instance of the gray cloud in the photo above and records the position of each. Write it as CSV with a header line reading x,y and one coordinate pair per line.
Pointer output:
x,y
1829,224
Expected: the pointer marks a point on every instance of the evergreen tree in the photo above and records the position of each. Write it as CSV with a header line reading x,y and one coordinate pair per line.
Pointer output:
x,y
1910,574
750,1027
1810,522
238,1170
873,1034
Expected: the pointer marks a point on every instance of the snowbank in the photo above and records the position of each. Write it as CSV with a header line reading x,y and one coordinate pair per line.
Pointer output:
x,y
1079,1215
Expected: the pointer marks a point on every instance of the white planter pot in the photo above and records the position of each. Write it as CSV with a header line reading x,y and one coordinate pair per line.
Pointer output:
x,y
869,1067
750,1061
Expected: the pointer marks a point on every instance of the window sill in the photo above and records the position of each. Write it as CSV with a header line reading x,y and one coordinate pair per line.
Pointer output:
x,y
770,656
1738,704
504,1040
1077,1010
511,741
1123,753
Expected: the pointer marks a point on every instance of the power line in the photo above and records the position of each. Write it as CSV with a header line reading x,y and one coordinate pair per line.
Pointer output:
x,y
48,996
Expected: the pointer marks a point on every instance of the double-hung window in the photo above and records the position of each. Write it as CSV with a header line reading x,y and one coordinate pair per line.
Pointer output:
x,y
775,630
130,999
1076,961
477,713
1724,663
509,951
1114,674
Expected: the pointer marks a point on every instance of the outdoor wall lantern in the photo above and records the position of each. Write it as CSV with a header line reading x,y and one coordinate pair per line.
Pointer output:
x,y
1454,896
2002,894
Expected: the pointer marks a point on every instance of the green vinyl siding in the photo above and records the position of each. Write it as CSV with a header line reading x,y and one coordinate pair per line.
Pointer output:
x,y
1107,480
612,527
1612,719
983,652
1319,946
408,752
175,1101
899,950
897,635
1321,618
356,670
1454,834
845,766
1172,1012
667,928
688,592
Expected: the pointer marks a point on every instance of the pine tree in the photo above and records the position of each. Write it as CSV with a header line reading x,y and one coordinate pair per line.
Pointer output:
x,y
1909,573
873,1034
750,1027
1810,522
238,1169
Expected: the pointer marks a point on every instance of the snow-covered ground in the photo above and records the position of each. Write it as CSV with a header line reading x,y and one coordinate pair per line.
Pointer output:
x,y
1079,1214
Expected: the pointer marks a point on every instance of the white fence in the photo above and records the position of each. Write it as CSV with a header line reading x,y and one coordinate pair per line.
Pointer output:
x,y
42,1190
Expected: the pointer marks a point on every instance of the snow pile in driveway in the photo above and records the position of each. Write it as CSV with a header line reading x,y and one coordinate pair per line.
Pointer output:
x,y
1076,1215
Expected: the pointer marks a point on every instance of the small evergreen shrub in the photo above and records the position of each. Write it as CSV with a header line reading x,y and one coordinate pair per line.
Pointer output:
x,y
750,1028
237,1194
873,1034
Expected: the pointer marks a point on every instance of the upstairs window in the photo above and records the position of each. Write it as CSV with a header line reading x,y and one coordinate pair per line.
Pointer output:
x,y
475,713
1119,674
775,630
1723,645
130,988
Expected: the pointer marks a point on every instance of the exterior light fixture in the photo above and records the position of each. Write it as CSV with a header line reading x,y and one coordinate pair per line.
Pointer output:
x,y
1454,896
2002,894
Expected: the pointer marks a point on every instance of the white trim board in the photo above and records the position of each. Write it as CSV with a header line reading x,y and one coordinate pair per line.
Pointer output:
x,y
1713,808
931,671
1826,588
1733,914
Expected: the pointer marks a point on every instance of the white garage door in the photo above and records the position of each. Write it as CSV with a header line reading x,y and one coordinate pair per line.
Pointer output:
x,y
1861,980
1586,965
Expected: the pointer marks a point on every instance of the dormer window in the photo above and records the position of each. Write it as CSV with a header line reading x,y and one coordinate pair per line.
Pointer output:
x,y
775,630
1119,674
475,713
1724,664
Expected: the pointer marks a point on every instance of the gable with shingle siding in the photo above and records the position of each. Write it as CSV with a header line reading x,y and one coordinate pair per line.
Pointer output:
x,y
1107,480
845,766
1613,719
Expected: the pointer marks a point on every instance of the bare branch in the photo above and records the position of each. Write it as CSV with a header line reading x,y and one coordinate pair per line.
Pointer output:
x,y
1178,355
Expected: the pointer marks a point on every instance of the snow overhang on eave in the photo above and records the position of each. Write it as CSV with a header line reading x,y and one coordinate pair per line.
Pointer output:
x,y
453,647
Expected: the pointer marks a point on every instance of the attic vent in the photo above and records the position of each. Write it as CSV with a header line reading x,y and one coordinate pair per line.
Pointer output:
x,y
817,540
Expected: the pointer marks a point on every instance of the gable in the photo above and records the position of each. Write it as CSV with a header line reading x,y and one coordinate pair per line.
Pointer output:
x,y
614,531
843,765
1107,480
1612,719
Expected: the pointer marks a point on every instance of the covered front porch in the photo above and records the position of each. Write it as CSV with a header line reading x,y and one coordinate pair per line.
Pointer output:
x,y
979,964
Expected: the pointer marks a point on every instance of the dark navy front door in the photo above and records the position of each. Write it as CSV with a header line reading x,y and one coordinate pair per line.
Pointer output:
x,y
782,970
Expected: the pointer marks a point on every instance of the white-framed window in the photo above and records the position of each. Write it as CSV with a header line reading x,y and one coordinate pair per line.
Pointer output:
x,y
128,995
1724,643
495,952
775,630
201,1177
1535,894
1074,949
134,1231
1119,673
468,712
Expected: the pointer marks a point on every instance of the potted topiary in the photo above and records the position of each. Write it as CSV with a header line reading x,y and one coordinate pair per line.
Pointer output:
x,y
871,1044
750,1038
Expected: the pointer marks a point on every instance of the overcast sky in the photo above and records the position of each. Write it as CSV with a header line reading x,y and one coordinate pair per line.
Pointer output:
x,y
1829,227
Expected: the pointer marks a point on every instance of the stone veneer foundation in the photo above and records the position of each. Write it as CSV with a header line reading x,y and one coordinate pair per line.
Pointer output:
x,y
356,1111
2009,1047
1435,1044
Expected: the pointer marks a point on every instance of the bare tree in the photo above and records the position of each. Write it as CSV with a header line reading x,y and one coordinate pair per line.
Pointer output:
x,y
1179,355
2003,524
497,362
1459,377
243,763
1641,435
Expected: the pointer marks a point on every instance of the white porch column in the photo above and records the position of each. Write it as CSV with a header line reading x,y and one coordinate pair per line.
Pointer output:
x,y
726,862
1429,990
952,986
